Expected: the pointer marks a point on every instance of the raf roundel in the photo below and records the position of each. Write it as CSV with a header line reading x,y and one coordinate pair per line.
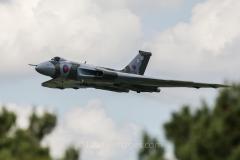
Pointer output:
x,y
65,69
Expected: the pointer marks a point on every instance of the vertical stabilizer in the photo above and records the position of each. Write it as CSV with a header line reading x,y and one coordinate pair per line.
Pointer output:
x,y
139,64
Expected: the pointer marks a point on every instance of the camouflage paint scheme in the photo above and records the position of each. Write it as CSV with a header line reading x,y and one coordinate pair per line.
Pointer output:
x,y
68,74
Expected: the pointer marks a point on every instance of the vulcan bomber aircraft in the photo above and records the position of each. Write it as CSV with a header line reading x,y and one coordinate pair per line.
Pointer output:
x,y
67,74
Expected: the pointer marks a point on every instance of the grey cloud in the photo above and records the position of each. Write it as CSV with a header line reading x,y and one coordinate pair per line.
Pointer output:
x,y
7,3
203,49
74,29
100,137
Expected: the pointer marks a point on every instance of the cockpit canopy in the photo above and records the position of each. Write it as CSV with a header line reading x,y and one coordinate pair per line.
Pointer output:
x,y
58,59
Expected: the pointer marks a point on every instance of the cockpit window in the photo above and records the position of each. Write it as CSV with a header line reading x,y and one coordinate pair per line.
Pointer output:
x,y
57,59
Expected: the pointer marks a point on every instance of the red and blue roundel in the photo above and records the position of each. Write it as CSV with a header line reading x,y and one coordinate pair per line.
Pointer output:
x,y
65,69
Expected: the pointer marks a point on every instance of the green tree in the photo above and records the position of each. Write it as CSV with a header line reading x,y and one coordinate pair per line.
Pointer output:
x,y
25,144
71,154
41,126
8,120
150,149
208,134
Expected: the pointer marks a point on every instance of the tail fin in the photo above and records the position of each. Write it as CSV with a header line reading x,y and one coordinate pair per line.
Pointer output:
x,y
139,64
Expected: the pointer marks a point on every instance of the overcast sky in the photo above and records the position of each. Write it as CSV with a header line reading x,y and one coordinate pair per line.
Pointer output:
x,y
195,40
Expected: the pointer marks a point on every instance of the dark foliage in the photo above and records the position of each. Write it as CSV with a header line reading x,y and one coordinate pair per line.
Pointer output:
x,y
210,132
25,144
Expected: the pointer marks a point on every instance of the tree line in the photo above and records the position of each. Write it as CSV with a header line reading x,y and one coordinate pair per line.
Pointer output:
x,y
208,133
211,132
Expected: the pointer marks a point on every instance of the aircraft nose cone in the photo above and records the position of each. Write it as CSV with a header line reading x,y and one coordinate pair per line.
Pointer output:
x,y
38,68
46,68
